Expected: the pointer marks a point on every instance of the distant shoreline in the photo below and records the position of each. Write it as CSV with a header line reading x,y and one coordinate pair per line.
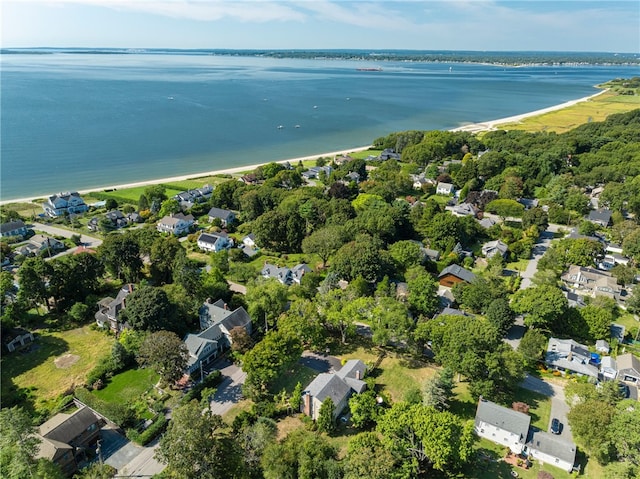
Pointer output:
x,y
473,128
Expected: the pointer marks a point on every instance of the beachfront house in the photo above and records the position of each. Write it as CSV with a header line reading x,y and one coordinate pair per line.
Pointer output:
x,y
64,203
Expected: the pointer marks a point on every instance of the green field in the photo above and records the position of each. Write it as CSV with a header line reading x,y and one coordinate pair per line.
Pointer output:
x,y
128,386
57,362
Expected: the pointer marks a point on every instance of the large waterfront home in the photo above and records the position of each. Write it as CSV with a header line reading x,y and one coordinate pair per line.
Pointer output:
x,y
64,203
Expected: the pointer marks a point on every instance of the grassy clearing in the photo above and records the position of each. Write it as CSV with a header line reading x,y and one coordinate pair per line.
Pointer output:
x,y
133,194
37,370
128,386
231,414
364,154
288,380
596,109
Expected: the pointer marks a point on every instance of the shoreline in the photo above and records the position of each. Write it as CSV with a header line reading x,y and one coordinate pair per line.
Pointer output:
x,y
472,128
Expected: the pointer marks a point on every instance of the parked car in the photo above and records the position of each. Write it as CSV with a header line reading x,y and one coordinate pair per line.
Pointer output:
x,y
556,426
624,390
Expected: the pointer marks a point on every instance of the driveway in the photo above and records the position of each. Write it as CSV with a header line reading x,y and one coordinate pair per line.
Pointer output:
x,y
559,408
539,249
229,392
319,362
128,458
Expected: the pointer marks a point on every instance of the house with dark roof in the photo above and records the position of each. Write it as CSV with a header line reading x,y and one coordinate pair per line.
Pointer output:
x,y
338,386
568,355
628,368
454,274
492,248
16,338
513,429
13,228
216,323
226,217
214,242
66,438
109,309
601,216
592,282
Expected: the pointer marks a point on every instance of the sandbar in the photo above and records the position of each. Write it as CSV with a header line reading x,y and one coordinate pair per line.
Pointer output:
x,y
473,128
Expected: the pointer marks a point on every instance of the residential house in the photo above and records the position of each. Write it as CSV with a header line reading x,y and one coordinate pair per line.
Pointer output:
x,y
64,203
16,339
568,355
493,248
574,300
513,429
66,438
432,254
216,323
617,332
454,274
250,179
109,309
214,242
286,276
117,219
338,386
249,240
550,449
134,217
38,243
487,222
602,346
445,189
448,311
608,367
176,224
528,203
592,282
465,209
502,425
314,172
226,217
389,154
628,368
187,199
13,228
601,216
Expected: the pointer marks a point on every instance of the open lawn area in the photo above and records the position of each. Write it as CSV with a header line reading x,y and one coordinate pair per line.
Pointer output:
x,y
288,380
128,386
57,362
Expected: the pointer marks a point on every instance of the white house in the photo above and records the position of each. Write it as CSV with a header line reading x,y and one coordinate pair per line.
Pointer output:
x,y
492,248
501,425
568,355
550,449
226,217
176,224
61,203
445,189
608,367
214,242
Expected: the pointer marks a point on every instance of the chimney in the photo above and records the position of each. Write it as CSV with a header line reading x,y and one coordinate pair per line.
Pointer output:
x,y
209,301
226,308
358,374
307,404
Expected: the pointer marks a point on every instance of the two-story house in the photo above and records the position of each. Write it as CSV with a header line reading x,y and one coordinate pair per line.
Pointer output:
x,y
214,242
177,224
64,203
109,309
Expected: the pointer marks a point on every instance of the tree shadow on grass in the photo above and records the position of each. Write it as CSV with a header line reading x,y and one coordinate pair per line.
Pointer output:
x,y
487,464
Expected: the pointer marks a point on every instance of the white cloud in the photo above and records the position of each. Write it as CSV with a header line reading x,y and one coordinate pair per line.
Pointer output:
x,y
375,15
203,10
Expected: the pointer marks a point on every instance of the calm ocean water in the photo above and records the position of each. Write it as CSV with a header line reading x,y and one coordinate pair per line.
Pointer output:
x,y
79,121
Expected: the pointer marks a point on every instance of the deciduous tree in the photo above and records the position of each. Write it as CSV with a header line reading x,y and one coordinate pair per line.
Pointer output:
x,y
166,354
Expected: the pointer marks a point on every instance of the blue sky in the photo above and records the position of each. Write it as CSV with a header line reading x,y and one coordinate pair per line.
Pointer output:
x,y
549,25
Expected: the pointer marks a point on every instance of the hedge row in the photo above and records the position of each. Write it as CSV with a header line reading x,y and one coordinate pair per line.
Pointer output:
x,y
213,379
149,434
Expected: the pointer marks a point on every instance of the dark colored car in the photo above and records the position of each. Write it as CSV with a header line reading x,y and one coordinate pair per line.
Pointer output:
x,y
556,426
624,390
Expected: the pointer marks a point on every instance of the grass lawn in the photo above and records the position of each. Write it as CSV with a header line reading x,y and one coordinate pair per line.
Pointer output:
x,y
519,265
75,351
128,386
133,194
288,380
596,109
440,199
364,154
231,414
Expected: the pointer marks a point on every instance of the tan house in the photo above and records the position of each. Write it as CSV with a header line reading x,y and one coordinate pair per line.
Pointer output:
x,y
591,282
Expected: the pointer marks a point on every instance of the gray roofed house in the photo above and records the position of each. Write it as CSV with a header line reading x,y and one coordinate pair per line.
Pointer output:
x,y
452,312
568,355
528,203
487,222
608,367
66,437
226,217
299,270
109,309
628,368
465,209
502,425
201,351
282,274
453,274
338,386
601,216
13,228
175,224
492,248
551,449
602,346
39,243
617,331
593,282
445,189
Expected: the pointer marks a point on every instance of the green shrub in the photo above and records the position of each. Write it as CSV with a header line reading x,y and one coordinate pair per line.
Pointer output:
x,y
212,380
154,430
121,414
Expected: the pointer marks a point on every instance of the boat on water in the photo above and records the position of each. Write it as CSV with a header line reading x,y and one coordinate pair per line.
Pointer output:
x,y
376,69
280,127
297,126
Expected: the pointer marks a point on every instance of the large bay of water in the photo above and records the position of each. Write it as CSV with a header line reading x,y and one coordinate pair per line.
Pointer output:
x,y
79,121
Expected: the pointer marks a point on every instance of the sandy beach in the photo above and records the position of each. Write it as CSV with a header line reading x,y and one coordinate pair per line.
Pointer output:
x,y
473,128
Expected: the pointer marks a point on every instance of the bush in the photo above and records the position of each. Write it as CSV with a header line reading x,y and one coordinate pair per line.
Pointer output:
x,y
242,420
154,430
212,380
121,414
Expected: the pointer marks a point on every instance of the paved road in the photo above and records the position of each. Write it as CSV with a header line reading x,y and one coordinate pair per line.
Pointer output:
x,y
144,464
88,241
559,407
539,249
